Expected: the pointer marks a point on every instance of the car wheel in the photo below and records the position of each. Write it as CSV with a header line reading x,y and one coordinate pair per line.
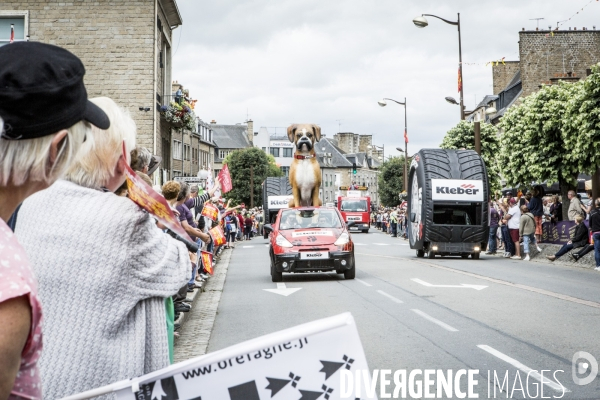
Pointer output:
x,y
350,273
475,256
365,231
275,276
420,253
464,256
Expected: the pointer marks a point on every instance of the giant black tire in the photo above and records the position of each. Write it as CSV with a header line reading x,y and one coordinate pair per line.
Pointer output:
x,y
431,164
279,186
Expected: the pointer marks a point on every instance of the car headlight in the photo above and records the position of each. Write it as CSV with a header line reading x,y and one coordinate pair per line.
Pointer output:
x,y
343,239
281,241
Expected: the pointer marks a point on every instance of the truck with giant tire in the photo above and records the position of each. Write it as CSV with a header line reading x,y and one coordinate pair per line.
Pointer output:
x,y
448,203
277,192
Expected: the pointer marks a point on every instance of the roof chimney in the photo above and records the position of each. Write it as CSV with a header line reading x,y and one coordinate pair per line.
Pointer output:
x,y
213,122
250,131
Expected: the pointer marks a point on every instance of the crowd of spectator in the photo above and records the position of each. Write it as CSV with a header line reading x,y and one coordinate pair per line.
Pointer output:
x,y
516,220
74,247
390,220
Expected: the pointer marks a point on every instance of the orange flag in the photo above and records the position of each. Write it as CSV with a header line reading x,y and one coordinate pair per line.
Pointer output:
x,y
210,211
217,235
206,258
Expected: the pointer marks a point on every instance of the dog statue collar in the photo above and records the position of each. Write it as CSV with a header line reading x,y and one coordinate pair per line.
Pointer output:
x,y
302,157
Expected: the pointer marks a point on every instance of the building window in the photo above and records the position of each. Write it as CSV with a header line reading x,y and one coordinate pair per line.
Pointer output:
x,y
264,149
285,170
20,22
287,152
224,153
177,150
274,151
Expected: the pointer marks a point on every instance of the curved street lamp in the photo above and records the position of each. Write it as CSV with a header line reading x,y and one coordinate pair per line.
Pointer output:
x,y
421,22
383,103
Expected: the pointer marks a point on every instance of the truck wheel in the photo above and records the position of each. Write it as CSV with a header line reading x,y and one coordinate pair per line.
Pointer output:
x,y
350,273
464,256
430,254
365,231
475,256
420,253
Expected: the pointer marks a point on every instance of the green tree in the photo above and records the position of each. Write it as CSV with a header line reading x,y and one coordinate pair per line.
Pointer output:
x,y
391,181
533,143
240,163
462,136
582,124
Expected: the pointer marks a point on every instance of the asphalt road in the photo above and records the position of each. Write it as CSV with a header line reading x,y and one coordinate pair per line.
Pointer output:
x,y
415,314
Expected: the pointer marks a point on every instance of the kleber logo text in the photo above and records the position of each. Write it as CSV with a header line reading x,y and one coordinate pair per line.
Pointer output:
x,y
463,189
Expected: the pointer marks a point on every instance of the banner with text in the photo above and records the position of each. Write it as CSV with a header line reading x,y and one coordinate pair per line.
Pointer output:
x,y
207,262
211,211
304,362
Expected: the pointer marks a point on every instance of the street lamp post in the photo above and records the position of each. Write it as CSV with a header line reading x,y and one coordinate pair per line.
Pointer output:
x,y
477,128
421,22
383,103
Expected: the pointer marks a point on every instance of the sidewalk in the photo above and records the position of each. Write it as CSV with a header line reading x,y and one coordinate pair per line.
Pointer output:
x,y
196,325
588,261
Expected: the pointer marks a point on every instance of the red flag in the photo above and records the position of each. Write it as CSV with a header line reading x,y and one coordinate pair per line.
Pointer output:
x,y
225,178
207,261
12,33
405,136
144,196
459,80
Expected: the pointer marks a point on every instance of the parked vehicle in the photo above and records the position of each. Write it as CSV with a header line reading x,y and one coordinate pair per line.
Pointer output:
x,y
310,239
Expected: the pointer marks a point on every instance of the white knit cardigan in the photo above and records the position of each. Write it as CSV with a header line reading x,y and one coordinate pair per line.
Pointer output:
x,y
104,270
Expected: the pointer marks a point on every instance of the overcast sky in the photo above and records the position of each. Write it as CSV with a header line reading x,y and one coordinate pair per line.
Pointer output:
x,y
320,61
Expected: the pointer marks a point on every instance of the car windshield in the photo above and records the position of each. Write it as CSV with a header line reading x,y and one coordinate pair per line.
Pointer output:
x,y
295,219
354,205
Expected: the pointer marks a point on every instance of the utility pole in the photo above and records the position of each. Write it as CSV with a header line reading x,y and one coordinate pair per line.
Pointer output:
x,y
251,187
478,137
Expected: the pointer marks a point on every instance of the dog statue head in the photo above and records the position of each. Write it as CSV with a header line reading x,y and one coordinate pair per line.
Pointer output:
x,y
304,135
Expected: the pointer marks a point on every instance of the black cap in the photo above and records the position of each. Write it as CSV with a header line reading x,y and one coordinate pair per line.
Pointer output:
x,y
42,91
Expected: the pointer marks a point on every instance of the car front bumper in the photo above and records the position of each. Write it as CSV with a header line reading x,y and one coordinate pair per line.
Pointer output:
x,y
291,262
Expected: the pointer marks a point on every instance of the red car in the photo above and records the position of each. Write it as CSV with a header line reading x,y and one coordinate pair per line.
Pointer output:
x,y
310,239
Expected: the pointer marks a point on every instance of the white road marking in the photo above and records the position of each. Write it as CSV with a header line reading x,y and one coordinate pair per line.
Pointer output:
x,y
381,292
381,244
435,321
533,373
461,286
363,282
247,247
360,244
282,290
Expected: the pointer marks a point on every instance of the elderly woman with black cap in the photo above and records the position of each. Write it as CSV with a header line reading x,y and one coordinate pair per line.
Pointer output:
x,y
104,264
44,119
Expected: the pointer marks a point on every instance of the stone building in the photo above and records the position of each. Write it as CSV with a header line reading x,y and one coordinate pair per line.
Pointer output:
x,y
366,168
546,57
192,150
124,45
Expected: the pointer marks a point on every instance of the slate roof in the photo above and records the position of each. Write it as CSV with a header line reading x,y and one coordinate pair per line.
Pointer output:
x,y
230,136
338,158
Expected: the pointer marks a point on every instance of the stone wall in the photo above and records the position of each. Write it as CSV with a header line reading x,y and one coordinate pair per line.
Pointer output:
x,y
545,54
119,43
347,141
502,74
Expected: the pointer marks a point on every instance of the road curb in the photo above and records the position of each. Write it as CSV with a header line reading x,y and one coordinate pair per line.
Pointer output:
x,y
197,324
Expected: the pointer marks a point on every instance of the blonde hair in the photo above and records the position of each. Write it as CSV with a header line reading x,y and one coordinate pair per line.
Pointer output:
x,y
29,159
95,163
579,219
